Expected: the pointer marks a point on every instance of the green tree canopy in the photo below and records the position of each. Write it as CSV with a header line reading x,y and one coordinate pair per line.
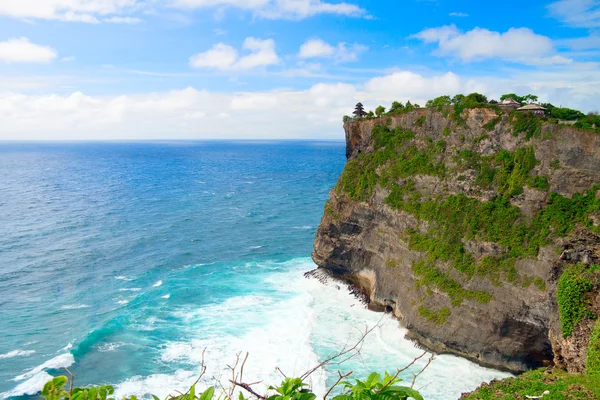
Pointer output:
x,y
396,106
439,102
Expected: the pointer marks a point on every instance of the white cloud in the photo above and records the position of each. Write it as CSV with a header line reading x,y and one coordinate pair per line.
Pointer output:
x,y
123,20
579,13
65,10
312,113
21,50
279,9
517,44
584,43
220,56
317,48
224,57
409,85
458,14
262,54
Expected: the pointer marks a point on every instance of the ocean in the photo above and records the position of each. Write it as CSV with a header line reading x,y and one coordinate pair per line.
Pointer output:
x,y
125,262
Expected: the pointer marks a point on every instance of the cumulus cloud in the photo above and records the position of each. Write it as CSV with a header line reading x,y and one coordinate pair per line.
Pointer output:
x,y
21,50
342,52
312,113
224,57
65,10
517,44
578,13
279,9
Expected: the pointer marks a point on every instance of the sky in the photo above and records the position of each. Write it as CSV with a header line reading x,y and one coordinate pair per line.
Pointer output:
x,y
264,69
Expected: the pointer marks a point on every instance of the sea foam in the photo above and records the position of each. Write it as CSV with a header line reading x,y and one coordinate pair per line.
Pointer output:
x,y
16,353
299,324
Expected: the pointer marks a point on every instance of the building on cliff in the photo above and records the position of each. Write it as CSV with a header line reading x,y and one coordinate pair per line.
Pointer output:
x,y
359,111
509,104
534,108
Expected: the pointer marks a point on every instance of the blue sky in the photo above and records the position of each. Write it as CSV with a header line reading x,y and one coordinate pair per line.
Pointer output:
x,y
127,69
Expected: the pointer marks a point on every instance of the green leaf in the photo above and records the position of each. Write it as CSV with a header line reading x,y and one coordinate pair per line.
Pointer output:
x,y
402,390
208,394
372,380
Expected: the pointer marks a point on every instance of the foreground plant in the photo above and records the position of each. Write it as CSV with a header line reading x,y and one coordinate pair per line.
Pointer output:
x,y
291,388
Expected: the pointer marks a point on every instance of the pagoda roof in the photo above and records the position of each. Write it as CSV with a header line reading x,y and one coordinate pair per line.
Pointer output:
x,y
531,107
509,100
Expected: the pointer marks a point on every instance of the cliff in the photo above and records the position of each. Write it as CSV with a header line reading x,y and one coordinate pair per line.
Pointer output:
x,y
462,223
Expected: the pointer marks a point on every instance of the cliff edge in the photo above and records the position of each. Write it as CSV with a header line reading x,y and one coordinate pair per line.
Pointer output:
x,y
462,224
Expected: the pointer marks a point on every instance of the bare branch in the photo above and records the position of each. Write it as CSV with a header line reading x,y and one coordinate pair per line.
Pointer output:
x,y
337,382
398,371
247,387
353,351
71,380
281,372
421,371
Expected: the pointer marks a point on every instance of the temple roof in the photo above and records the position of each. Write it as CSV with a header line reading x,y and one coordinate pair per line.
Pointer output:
x,y
531,107
509,100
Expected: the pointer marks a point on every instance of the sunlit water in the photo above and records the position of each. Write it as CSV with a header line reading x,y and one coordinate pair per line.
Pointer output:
x,y
124,262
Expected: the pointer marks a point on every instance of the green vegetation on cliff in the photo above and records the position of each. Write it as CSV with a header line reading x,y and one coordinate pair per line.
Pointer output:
x,y
573,285
453,221
559,385
592,365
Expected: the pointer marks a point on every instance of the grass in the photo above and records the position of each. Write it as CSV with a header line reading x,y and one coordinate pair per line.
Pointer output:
x,y
432,277
560,385
593,353
436,317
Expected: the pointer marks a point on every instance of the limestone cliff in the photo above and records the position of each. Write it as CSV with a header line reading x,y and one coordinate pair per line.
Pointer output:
x,y
461,223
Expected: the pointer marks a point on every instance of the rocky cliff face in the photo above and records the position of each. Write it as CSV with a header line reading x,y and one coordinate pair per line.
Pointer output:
x,y
461,225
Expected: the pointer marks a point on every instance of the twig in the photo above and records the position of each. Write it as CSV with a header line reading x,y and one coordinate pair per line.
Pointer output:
x,y
421,371
281,372
247,387
337,383
70,380
356,348
398,371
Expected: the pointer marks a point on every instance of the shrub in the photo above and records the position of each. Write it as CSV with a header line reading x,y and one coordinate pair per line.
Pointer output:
x,y
592,365
572,287
373,388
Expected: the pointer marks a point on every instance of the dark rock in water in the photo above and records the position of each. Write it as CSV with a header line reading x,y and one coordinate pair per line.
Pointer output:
x,y
505,318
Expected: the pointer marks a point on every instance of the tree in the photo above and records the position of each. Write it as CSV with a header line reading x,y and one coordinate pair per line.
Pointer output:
x,y
441,101
396,107
370,114
530,98
379,111
476,98
513,96
459,98
566,114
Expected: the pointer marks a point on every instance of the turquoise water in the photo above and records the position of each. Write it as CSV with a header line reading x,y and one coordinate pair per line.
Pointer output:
x,y
125,261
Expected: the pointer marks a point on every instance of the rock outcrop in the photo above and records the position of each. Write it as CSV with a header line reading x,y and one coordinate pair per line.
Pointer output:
x,y
407,224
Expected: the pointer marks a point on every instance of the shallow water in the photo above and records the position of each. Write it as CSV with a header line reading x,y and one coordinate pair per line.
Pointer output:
x,y
124,262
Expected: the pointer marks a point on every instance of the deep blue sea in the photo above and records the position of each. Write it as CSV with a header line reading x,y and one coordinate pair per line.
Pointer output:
x,y
124,261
